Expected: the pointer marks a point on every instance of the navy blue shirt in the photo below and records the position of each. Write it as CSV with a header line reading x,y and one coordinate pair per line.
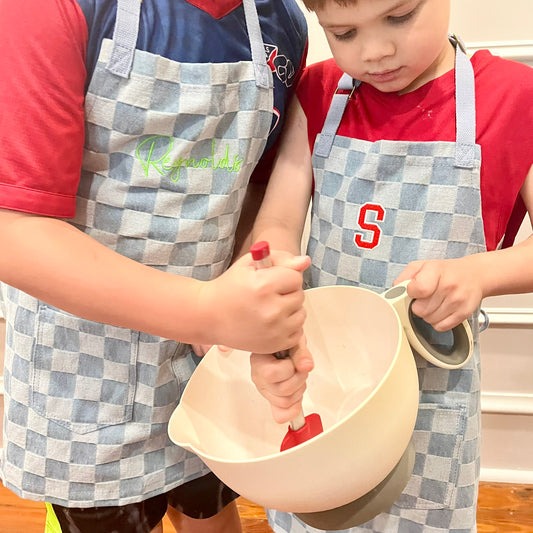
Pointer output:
x,y
165,29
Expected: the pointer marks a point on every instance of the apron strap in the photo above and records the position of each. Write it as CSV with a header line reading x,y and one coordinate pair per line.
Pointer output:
x,y
127,30
465,107
465,110
345,89
263,78
125,37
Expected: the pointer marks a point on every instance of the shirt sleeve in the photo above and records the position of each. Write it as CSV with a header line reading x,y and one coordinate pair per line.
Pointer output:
x,y
505,122
42,76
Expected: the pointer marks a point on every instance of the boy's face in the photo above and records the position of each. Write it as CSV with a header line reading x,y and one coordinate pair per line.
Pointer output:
x,y
394,45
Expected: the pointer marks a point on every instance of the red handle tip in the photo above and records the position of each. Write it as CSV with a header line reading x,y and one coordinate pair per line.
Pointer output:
x,y
260,250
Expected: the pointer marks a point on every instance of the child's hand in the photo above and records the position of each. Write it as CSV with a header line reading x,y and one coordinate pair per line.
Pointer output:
x,y
446,291
257,310
283,381
201,349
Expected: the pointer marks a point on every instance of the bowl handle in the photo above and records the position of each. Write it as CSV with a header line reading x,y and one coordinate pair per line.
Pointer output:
x,y
418,332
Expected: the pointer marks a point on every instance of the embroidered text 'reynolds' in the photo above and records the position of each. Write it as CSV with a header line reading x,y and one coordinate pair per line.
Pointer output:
x,y
149,154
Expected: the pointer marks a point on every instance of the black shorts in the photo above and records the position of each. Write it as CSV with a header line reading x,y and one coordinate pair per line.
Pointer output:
x,y
201,498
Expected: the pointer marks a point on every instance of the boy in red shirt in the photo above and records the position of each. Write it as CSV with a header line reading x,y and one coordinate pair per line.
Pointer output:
x,y
418,161
129,133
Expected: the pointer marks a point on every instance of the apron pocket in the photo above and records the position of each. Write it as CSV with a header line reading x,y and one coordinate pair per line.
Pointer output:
x,y
83,372
438,440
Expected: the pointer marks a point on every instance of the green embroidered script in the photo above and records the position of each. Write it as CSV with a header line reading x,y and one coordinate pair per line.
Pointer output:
x,y
148,153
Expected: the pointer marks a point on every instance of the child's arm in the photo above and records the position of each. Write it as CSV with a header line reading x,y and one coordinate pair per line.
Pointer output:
x,y
282,215
243,308
449,291
281,221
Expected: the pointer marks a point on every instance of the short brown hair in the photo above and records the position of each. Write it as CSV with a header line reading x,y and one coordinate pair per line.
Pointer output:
x,y
313,5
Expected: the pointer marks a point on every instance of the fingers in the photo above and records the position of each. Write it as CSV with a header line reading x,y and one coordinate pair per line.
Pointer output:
x,y
285,280
431,301
280,299
444,292
302,359
280,383
285,415
409,272
285,259
200,349
298,263
269,372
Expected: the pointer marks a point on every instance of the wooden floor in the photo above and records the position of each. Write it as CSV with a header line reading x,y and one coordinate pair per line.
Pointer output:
x,y
502,508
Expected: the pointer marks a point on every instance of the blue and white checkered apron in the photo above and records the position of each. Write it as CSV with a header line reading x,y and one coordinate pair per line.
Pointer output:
x,y
376,207
169,151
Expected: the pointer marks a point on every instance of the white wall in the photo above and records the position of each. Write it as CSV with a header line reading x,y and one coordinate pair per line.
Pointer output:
x,y
506,28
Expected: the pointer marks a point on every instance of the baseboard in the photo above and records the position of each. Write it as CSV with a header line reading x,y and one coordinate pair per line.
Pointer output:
x,y
507,403
496,475
509,316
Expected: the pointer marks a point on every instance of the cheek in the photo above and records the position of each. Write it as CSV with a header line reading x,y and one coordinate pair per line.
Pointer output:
x,y
346,58
425,46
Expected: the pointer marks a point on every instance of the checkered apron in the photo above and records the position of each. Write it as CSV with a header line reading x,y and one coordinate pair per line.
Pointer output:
x,y
169,151
377,206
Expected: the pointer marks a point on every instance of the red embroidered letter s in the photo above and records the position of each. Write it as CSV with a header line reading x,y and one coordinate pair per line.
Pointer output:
x,y
378,214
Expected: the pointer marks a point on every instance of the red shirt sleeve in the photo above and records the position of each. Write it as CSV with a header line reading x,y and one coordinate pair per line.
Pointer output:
x,y
42,78
504,127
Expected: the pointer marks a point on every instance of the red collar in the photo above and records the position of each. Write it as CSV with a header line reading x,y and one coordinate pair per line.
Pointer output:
x,y
216,8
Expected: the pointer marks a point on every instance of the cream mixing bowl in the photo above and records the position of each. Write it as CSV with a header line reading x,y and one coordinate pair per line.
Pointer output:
x,y
364,386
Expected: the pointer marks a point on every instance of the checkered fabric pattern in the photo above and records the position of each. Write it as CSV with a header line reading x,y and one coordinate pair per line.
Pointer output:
x,y
168,157
441,493
71,385
425,207
427,210
397,521
169,152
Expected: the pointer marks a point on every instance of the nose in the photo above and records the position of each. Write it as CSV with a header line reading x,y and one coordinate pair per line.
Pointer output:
x,y
375,48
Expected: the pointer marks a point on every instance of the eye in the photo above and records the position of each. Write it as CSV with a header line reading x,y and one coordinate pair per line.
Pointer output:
x,y
402,19
345,36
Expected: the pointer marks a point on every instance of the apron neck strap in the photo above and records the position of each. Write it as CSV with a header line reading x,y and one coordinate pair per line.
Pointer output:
x,y
126,33
465,110
465,107
345,89
263,78
125,37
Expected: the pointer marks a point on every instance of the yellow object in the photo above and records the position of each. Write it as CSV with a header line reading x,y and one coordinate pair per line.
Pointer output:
x,y
52,524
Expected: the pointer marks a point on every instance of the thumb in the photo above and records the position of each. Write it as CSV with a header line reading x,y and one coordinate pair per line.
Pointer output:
x,y
298,263
302,358
409,272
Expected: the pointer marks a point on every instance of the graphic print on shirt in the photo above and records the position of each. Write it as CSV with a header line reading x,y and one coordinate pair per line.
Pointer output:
x,y
280,65
370,236
275,120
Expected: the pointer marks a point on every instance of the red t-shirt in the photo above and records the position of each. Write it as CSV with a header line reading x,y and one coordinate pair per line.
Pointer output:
x,y
48,51
504,128
43,137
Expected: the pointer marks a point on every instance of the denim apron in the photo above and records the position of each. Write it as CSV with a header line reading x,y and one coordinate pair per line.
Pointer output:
x,y
376,207
169,151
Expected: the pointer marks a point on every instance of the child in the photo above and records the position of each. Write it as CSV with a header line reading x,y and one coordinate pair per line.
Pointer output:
x,y
129,133
415,173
